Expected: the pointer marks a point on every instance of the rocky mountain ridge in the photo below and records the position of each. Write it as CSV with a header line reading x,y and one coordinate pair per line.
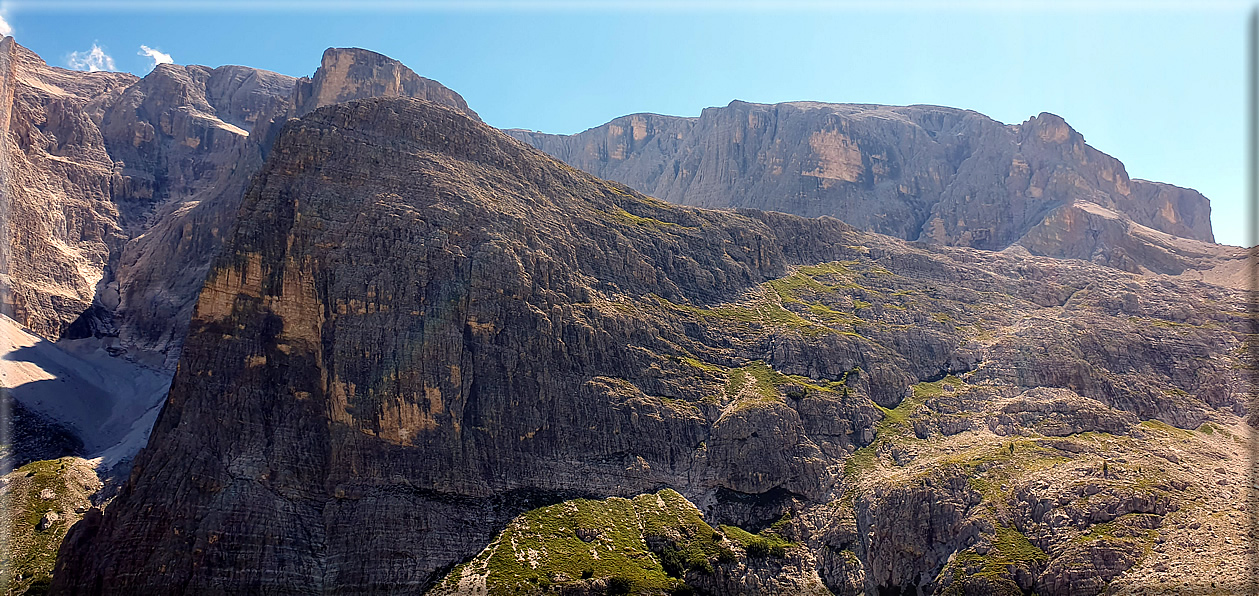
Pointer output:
x,y
117,192
941,175
167,266
420,329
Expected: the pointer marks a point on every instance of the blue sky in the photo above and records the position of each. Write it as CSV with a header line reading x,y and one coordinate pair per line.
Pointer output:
x,y
1163,90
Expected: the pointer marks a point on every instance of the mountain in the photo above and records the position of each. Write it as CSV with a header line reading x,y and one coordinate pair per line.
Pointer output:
x,y
423,356
118,193
165,267
940,175
96,159
60,221
430,356
124,185
122,189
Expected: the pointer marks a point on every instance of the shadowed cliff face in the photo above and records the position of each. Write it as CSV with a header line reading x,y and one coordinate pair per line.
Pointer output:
x,y
941,175
419,328
164,269
121,189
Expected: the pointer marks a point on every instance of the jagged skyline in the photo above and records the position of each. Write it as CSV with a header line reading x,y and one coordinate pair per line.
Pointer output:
x,y
1161,90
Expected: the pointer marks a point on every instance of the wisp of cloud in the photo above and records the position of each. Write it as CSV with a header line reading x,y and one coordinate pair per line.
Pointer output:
x,y
5,28
158,57
91,60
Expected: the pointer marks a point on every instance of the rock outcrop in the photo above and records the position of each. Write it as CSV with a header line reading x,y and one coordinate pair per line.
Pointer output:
x,y
941,175
419,329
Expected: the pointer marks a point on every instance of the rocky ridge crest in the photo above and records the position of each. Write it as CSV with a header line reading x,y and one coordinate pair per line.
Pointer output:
x,y
940,175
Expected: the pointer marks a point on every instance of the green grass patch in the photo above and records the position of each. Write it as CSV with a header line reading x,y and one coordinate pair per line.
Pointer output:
x,y
1126,528
1160,427
765,313
835,318
31,553
578,540
895,421
791,287
1010,548
759,546
738,379
862,460
936,388
895,425
704,366
765,381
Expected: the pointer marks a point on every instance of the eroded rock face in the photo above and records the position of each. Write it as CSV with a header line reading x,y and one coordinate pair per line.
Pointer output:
x,y
120,189
352,73
941,175
95,160
60,222
420,328
165,268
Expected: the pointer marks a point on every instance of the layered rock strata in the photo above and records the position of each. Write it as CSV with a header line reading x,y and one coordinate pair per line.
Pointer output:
x,y
941,175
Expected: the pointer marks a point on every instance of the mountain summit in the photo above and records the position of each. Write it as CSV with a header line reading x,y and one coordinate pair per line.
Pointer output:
x,y
940,175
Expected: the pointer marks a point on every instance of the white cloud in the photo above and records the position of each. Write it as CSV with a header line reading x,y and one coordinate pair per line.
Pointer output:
x,y
91,60
158,57
5,28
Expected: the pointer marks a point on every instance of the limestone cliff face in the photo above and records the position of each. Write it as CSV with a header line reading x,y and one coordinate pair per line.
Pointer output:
x,y
178,130
165,268
1013,181
419,328
95,161
352,73
942,175
118,190
60,221
875,167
